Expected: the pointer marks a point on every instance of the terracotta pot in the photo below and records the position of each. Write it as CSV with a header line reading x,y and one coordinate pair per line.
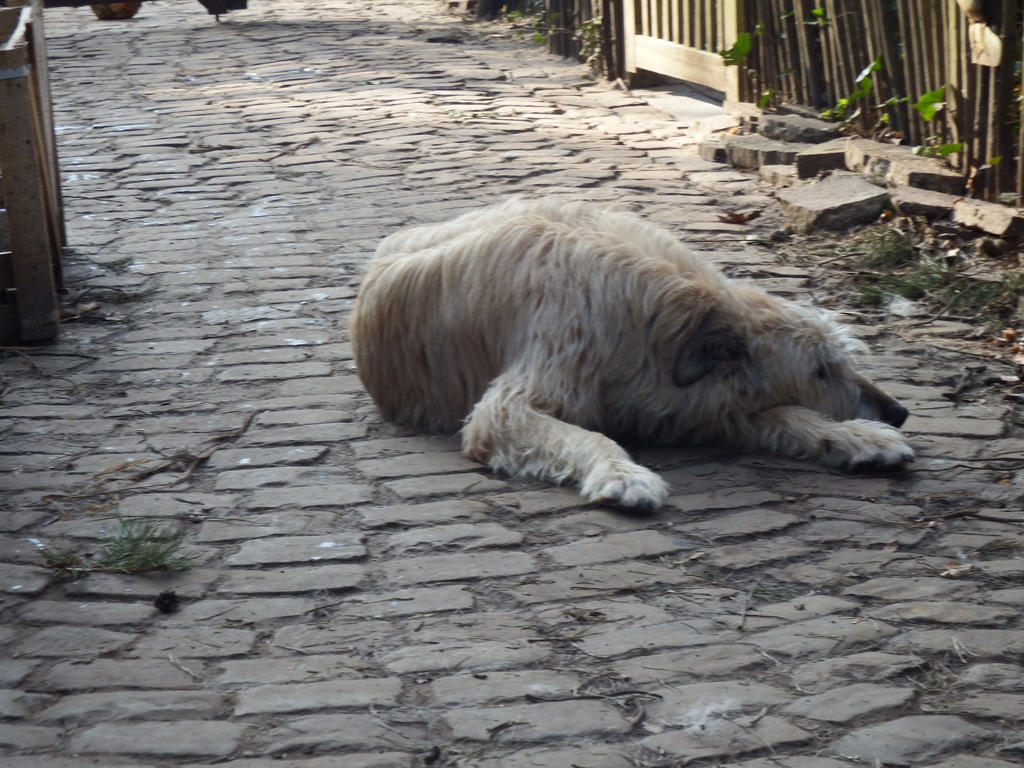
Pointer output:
x,y
115,10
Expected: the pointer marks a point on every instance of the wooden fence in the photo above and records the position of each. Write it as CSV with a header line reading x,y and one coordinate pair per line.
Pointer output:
x,y
899,70
31,216
683,38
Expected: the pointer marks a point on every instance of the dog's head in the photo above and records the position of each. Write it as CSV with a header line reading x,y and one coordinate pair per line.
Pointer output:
x,y
770,352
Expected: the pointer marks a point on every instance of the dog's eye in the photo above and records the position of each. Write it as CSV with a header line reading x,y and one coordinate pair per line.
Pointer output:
x,y
822,372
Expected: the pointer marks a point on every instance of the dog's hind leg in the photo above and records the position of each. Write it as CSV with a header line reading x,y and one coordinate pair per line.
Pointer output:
x,y
853,445
509,434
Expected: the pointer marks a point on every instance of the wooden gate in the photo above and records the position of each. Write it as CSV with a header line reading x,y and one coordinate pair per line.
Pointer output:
x,y
31,210
681,39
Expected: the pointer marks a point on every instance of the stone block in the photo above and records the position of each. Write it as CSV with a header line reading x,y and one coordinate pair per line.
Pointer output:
x,y
922,202
96,614
23,579
425,486
416,464
194,642
996,219
778,175
336,733
716,736
829,156
752,151
502,685
710,660
326,694
132,705
808,130
473,657
905,588
429,513
536,722
910,740
824,634
616,546
157,673
455,567
848,702
837,202
712,150
71,641
463,536
293,579
898,164
16,737
299,549
819,676
976,643
182,738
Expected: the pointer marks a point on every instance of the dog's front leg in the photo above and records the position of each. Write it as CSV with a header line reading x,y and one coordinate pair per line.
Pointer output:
x,y
853,445
506,432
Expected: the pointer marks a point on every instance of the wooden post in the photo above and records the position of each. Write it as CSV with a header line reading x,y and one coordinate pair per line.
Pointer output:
x,y
24,156
732,20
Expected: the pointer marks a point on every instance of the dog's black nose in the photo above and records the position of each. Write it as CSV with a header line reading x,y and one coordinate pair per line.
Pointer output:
x,y
894,413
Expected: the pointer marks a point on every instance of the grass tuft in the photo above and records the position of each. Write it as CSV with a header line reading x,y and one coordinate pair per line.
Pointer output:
x,y
893,264
138,546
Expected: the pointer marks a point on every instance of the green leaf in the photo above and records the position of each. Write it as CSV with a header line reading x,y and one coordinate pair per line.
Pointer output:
x,y
931,103
995,160
739,51
851,117
949,149
765,98
865,84
759,28
874,66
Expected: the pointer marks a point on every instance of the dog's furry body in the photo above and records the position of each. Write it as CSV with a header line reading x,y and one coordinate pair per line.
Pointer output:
x,y
545,329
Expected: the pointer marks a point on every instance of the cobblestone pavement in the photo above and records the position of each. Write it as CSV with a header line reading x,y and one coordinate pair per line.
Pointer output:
x,y
365,597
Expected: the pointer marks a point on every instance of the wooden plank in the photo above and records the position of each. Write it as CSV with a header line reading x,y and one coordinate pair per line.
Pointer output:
x,y
644,25
22,158
663,57
629,12
43,106
13,27
1020,139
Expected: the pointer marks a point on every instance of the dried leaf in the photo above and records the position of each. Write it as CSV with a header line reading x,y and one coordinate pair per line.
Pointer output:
x,y
738,217
956,571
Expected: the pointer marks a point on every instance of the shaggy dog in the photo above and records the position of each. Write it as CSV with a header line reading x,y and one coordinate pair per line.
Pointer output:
x,y
547,330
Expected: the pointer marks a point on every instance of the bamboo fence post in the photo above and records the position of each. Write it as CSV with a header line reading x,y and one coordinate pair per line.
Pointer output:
x,y
1020,133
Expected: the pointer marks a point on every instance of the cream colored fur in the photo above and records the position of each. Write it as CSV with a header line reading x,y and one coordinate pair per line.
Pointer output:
x,y
546,330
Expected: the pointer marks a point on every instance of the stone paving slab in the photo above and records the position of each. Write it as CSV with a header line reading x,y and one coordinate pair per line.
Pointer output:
x,y
365,597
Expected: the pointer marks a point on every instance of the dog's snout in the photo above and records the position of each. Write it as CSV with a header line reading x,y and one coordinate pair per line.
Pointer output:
x,y
879,406
893,413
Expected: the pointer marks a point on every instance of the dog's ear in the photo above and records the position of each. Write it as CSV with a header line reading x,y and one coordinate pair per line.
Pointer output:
x,y
713,345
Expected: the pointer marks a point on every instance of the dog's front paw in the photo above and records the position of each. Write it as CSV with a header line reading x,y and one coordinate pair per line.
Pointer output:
x,y
862,445
625,484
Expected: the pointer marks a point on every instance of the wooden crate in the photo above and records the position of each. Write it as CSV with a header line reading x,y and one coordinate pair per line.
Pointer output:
x,y
32,221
